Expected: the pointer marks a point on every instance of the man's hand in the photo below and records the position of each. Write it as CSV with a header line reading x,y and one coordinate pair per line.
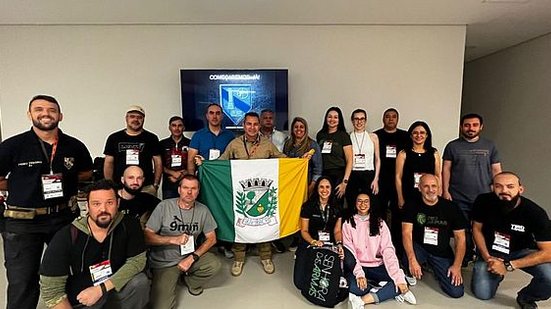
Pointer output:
x,y
90,296
447,195
186,263
455,274
496,266
198,160
179,240
362,283
415,269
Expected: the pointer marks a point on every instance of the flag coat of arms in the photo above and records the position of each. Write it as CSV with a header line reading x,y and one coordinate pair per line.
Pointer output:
x,y
254,201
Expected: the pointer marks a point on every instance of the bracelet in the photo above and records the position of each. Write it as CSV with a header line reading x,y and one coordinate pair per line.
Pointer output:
x,y
314,243
339,243
103,288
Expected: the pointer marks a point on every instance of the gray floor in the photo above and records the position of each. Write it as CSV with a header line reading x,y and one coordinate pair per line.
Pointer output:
x,y
254,289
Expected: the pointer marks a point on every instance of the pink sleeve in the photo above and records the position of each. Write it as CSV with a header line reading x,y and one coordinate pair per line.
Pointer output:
x,y
389,256
348,243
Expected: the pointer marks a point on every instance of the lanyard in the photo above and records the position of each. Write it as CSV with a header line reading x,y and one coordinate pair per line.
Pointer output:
x,y
325,216
182,217
253,149
54,150
359,145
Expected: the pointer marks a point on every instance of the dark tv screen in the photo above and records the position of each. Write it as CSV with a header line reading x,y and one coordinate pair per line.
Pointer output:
x,y
237,91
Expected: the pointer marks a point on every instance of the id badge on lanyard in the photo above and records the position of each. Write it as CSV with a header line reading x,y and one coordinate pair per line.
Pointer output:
x,y
175,160
324,236
430,236
359,160
132,157
327,145
390,151
188,247
416,179
502,242
214,154
100,272
52,184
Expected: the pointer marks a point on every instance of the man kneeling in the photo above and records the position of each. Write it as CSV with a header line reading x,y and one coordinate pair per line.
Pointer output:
x,y
98,259
173,231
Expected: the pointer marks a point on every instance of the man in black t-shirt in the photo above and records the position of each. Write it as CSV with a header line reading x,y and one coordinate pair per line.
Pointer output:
x,y
175,155
134,146
133,202
427,227
511,232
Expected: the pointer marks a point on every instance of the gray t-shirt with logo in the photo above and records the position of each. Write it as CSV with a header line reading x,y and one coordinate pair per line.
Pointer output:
x,y
170,220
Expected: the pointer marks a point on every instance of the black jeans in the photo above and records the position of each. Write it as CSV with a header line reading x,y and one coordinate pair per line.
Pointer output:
x,y
22,254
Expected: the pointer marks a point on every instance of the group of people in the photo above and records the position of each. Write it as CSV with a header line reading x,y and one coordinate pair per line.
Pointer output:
x,y
383,199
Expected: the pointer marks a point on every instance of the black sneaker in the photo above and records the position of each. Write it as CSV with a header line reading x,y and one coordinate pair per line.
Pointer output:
x,y
524,304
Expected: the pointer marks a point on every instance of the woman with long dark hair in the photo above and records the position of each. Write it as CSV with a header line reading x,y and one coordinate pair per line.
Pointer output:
x,y
369,254
320,223
336,151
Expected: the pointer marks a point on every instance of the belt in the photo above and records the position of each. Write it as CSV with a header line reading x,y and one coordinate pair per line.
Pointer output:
x,y
16,212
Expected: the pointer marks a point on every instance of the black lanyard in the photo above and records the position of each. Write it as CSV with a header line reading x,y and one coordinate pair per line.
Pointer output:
x,y
182,217
325,215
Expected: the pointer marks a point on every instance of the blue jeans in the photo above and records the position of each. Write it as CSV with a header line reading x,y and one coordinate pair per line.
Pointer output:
x,y
374,276
485,284
440,266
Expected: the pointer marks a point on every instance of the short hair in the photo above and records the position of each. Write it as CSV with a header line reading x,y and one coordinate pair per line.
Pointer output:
x,y
266,110
213,104
45,98
252,114
471,116
174,118
190,177
103,184
358,110
507,173
392,109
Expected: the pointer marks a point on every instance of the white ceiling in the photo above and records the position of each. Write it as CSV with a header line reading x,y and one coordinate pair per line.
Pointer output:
x,y
492,25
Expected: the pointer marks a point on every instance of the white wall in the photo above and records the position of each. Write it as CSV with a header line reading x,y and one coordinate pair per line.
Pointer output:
x,y
97,71
512,90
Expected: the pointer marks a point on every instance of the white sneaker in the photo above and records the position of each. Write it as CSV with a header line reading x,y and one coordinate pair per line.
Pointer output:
x,y
411,280
356,301
407,297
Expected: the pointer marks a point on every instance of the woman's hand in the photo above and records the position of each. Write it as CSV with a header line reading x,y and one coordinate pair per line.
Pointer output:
x,y
362,283
341,189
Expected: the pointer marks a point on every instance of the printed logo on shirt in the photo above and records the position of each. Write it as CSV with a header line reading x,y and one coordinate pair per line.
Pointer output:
x,y
123,146
68,162
421,218
178,225
517,228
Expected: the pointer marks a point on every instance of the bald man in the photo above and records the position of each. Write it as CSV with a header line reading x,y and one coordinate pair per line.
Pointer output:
x,y
134,202
427,227
511,232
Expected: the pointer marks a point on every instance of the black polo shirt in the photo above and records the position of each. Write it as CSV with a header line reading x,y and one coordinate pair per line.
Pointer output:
x,y
520,227
140,204
22,157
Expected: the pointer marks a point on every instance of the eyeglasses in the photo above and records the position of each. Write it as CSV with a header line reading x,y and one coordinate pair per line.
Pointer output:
x,y
359,119
366,201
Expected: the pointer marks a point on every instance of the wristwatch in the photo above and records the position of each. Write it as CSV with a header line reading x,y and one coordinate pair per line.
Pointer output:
x,y
508,265
195,257
345,181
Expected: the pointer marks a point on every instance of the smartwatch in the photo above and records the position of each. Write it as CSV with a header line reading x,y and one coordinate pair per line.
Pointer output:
x,y
195,257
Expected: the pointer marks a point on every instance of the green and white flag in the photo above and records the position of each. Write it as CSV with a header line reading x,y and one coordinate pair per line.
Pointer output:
x,y
254,201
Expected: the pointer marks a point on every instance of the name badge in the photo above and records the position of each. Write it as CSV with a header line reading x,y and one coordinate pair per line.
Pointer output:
x,y
327,145
359,160
132,157
501,242
416,179
431,236
214,154
175,160
188,247
52,186
390,151
323,236
100,272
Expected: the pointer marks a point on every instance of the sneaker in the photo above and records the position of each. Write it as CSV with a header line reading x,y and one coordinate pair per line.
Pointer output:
x,y
228,253
237,268
278,246
524,304
268,266
407,297
411,280
195,292
356,301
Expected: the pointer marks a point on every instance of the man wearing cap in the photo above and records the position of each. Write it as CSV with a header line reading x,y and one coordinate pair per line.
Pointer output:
x,y
134,146
40,169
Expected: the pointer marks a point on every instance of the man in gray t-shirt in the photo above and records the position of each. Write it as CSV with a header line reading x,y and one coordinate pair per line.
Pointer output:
x,y
180,232
470,163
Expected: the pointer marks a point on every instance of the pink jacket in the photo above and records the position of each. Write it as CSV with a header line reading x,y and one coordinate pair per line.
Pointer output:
x,y
371,251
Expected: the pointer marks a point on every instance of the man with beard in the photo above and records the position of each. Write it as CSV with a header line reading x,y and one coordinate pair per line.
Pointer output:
x,y
174,153
428,225
133,202
470,162
44,166
511,232
134,146
97,260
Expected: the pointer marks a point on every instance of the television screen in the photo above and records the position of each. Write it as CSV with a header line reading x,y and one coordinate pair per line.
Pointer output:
x,y
237,91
